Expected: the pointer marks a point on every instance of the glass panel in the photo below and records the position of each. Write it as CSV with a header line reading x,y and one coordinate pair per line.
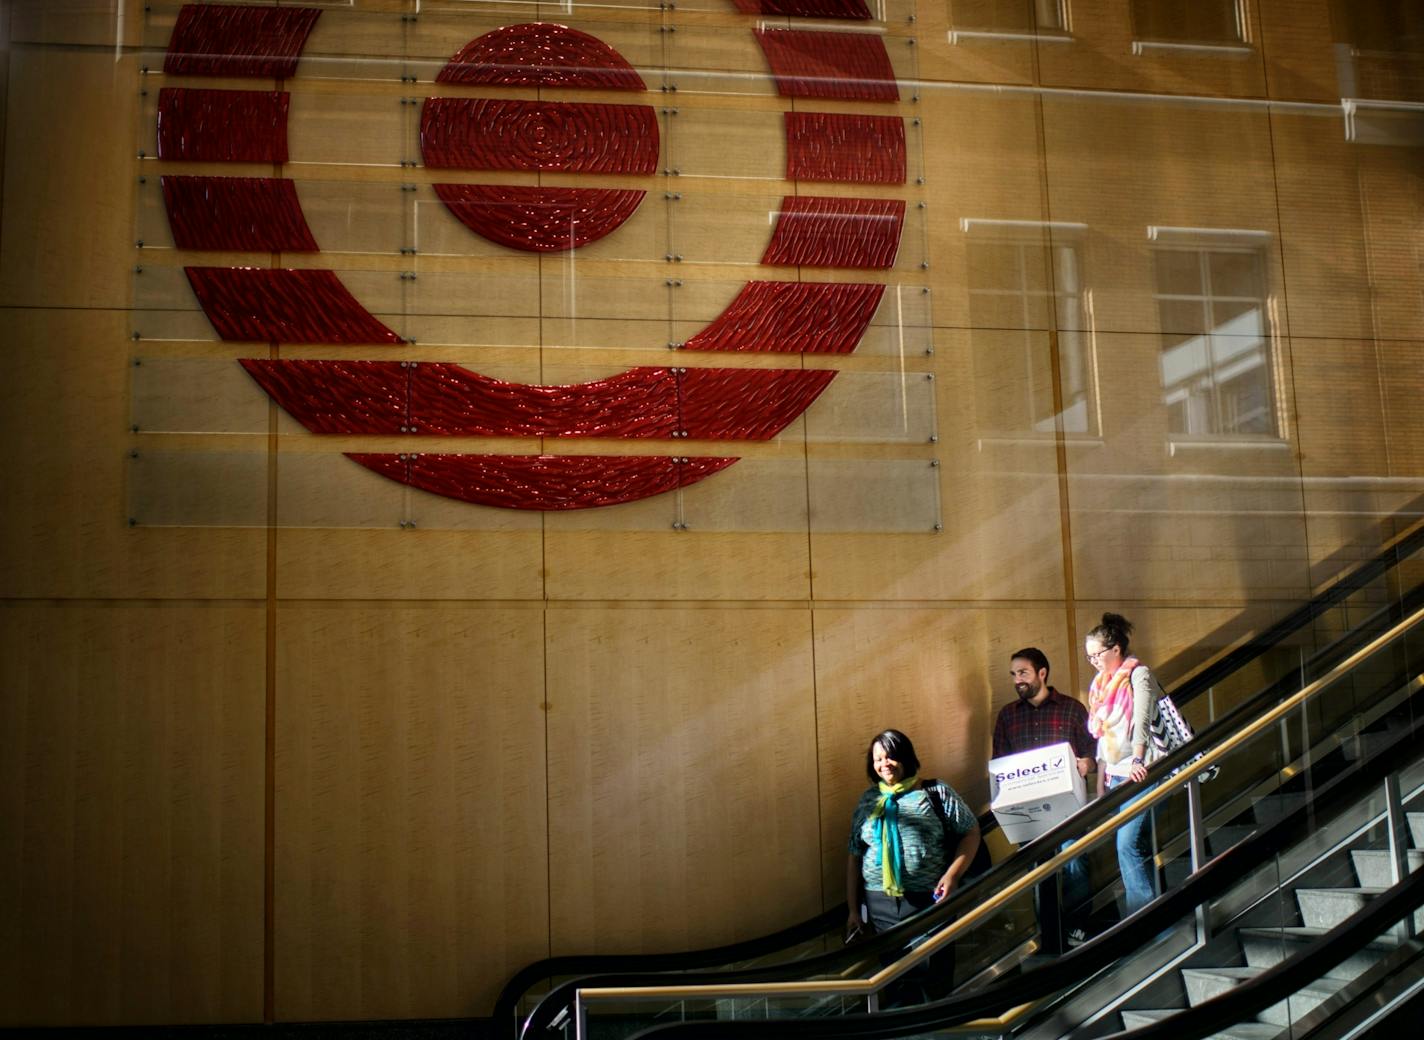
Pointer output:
x,y
657,513
707,228
751,495
723,229
566,292
350,130
887,407
330,490
197,488
902,325
437,35
724,143
344,217
194,395
862,495
729,143
503,292
162,288
429,512
438,233
347,217
151,216
711,60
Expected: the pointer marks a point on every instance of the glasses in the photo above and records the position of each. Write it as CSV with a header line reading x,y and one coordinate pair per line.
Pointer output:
x,y
1094,657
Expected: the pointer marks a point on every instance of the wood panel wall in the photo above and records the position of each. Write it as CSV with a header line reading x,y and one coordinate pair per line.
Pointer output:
x,y
298,774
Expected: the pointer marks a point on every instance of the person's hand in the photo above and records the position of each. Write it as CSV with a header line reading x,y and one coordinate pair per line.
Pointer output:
x,y
1085,766
1138,772
854,927
944,888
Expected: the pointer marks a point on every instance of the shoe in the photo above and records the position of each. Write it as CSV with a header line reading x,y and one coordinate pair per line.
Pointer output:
x,y
1077,937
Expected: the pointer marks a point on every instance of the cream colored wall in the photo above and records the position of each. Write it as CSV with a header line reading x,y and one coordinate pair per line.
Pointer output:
x,y
458,750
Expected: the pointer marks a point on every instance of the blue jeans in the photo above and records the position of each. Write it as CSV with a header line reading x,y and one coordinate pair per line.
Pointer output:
x,y
1076,891
1059,914
1135,840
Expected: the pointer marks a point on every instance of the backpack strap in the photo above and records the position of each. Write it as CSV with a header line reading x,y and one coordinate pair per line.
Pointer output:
x,y
982,860
933,793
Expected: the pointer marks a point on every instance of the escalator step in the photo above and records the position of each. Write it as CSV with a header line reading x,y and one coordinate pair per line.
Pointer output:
x,y
1327,907
1267,947
1375,867
1136,1019
1240,1031
1204,983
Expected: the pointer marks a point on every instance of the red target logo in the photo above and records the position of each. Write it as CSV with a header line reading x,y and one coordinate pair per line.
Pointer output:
x,y
487,133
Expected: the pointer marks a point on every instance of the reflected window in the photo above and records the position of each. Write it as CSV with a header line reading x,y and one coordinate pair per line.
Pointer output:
x,y
1216,359
1018,286
1189,21
1009,15
1381,26
1382,56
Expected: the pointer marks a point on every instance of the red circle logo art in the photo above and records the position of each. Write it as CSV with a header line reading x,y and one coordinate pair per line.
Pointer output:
x,y
460,133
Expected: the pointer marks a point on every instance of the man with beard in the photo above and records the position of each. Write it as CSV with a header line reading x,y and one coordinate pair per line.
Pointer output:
x,y
1038,717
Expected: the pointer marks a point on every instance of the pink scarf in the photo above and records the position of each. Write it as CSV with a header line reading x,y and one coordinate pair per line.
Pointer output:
x,y
1110,699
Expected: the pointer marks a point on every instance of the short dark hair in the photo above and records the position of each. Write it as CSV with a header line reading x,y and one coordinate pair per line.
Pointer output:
x,y
897,746
1034,656
1113,630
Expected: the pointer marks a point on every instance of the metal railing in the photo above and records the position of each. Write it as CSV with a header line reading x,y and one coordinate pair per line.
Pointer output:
x,y
870,986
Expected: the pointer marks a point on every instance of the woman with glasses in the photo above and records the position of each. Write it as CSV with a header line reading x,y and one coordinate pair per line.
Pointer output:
x,y
1119,709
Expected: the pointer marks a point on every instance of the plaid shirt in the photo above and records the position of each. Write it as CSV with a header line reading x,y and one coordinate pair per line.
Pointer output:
x,y
1022,727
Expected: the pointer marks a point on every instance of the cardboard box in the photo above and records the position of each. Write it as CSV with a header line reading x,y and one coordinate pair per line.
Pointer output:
x,y
1033,791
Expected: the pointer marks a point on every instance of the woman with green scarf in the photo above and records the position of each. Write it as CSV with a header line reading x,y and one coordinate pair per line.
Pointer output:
x,y
906,851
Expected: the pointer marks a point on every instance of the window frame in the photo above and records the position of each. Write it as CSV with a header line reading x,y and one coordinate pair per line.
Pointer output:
x,y
1204,244
1049,236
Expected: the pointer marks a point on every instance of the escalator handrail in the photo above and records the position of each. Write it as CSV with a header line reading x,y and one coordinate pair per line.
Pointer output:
x,y
1250,998
963,902
1218,875
1144,798
577,963
586,964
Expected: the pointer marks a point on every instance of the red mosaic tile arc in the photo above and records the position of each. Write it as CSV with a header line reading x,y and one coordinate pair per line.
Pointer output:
x,y
541,54
284,306
351,397
236,213
547,483
230,40
505,134
204,125
793,318
813,64
847,148
822,231
752,404
450,399
541,220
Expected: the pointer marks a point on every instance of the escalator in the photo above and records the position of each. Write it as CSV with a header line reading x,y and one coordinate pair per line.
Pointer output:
x,y
1345,667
